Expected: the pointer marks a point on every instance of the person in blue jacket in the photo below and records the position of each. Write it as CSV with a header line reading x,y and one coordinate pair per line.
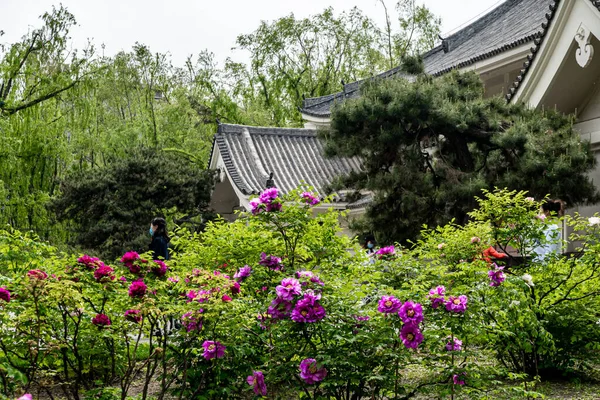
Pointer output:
x,y
160,239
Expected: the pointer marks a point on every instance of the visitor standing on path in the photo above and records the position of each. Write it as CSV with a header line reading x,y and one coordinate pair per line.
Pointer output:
x,y
553,209
160,239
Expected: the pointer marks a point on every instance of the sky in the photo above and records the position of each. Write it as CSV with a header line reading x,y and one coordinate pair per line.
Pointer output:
x,y
185,27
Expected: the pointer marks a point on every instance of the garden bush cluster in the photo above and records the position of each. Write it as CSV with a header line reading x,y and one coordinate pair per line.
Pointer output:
x,y
276,305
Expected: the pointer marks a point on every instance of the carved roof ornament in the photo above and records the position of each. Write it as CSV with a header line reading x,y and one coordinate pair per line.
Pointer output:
x,y
585,52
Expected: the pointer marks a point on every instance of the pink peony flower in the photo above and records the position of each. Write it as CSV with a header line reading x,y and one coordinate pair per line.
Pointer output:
x,y
4,294
457,304
137,289
441,246
437,296
389,304
475,240
310,371
454,345
411,313
289,288
26,396
133,316
104,273
257,381
411,336
213,349
90,262
101,320
36,274
159,268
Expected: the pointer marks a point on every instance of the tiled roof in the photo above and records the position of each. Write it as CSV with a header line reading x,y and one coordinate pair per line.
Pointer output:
x,y
294,156
511,24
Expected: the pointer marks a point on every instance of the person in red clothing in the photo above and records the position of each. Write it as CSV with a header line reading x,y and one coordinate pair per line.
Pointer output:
x,y
491,252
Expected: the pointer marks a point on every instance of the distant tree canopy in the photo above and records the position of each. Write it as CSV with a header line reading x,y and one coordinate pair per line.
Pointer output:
x,y
109,209
429,147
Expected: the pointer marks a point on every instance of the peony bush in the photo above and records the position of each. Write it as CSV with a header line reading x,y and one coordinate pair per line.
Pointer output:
x,y
275,305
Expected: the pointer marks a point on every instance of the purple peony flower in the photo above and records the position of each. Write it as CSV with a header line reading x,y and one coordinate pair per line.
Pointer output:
x,y
289,288
310,371
104,272
4,294
271,262
133,316
101,320
90,262
457,379
389,304
310,198
454,345
457,304
279,309
269,195
386,251
159,268
243,273
411,336
37,274
129,258
304,274
411,313
308,310
192,321
437,296
496,275
137,289
213,349
255,206
257,381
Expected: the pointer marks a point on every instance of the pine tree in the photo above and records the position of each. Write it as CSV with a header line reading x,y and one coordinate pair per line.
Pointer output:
x,y
428,148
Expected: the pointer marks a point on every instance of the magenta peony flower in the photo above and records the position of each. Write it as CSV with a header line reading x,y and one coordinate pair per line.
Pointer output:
x,y
310,198
226,298
386,251
243,273
123,279
104,273
457,304
411,313
133,316
256,206
192,321
257,381
90,262
101,320
26,396
279,309
129,258
289,288
4,294
235,288
411,336
137,289
496,275
454,345
271,262
389,304
36,274
159,268
310,371
308,311
213,349
457,380
437,296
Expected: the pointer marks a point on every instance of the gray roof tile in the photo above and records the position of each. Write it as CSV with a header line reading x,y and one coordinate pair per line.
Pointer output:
x,y
511,24
294,156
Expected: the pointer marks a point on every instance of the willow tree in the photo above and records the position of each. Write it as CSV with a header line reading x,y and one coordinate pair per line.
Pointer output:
x,y
429,147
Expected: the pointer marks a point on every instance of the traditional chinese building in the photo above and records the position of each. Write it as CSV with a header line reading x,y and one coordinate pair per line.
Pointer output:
x,y
540,52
